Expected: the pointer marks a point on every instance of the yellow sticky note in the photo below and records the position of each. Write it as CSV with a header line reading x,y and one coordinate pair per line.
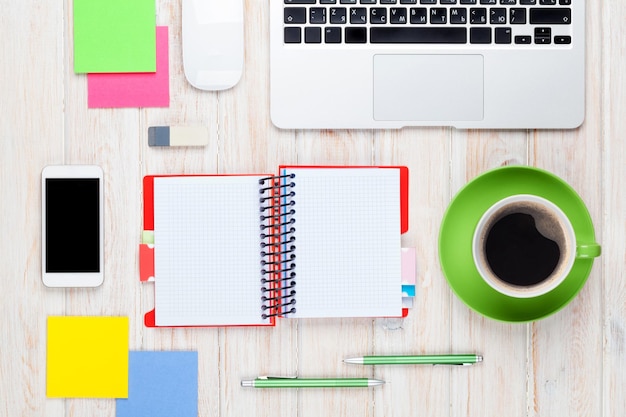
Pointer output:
x,y
87,357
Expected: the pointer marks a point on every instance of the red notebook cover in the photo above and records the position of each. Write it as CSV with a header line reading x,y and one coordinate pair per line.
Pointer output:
x,y
146,251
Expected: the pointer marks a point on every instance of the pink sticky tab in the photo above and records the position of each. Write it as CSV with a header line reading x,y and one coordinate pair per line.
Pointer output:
x,y
146,262
142,89
408,266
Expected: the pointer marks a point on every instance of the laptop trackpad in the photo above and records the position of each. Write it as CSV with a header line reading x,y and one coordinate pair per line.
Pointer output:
x,y
428,87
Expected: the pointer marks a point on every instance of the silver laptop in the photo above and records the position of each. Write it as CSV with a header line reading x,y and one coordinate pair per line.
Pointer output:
x,y
396,63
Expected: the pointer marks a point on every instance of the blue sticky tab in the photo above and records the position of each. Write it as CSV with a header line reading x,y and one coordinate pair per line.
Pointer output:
x,y
408,290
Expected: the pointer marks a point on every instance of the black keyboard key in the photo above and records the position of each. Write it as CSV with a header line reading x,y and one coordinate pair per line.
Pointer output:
x,y
547,2
562,40
317,15
293,35
419,15
295,15
300,1
523,40
397,15
358,15
480,35
438,16
478,16
356,35
338,15
378,15
503,35
517,16
497,16
406,34
458,15
550,16
543,35
313,34
332,35
527,2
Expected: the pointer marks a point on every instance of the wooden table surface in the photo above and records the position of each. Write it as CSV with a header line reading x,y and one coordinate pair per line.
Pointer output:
x,y
570,364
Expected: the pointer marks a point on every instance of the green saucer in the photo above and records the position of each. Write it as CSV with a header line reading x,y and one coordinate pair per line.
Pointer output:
x,y
457,230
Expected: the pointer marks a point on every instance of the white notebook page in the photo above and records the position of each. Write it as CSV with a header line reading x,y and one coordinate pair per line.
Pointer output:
x,y
347,242
207,256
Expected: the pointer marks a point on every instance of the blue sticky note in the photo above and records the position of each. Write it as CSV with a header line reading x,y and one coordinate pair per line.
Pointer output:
x,y
161,384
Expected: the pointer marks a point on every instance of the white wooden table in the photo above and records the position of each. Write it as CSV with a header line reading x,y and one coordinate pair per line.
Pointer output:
x,y
570,364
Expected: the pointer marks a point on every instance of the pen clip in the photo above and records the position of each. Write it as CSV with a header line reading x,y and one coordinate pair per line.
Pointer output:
x,y
453,364
277,377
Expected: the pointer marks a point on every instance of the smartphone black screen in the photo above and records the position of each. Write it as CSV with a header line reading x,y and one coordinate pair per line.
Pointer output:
x,y
72,225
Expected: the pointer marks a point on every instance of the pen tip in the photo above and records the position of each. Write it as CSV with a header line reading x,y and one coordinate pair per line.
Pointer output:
x,y
479,358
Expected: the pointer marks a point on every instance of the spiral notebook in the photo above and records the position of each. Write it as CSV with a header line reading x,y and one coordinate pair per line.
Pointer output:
x,y
309,242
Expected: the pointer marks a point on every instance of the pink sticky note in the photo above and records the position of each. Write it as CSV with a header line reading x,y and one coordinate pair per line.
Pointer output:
x,y
143,89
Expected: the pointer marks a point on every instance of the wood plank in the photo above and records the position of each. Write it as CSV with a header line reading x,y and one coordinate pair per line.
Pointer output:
x,y
188,107
108,138
557,386
417,390
503,345
247,143
324,343
31,127
613,228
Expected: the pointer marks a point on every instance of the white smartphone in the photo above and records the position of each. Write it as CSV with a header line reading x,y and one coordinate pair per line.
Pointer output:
x,y
72,226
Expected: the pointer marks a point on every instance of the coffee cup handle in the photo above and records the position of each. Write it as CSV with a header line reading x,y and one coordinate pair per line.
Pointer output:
x,y
589,250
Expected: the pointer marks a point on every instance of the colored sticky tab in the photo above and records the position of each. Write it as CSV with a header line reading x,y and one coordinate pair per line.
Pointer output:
x,y
148,89
147,236
408,266
408,278
161,384
146,262
87,357
114,36
408,290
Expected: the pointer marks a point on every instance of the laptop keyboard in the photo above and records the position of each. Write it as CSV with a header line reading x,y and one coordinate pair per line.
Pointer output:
x,y
480,22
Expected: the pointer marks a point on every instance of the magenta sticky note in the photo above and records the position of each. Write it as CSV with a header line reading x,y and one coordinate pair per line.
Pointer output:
x,y
144,89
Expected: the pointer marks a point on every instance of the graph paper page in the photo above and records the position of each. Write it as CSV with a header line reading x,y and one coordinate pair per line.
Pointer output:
x,y
348,242
207,256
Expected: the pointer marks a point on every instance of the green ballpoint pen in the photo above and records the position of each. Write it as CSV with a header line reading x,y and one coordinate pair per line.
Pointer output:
x,y
286,382
417,360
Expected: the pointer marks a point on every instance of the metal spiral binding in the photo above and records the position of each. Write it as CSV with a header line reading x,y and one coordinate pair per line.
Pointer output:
x,y
278,275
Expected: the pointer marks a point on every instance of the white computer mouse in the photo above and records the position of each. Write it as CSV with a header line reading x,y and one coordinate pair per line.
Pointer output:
x,y
212,33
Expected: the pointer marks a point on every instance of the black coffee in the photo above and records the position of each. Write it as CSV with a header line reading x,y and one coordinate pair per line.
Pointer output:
x,y
517,253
